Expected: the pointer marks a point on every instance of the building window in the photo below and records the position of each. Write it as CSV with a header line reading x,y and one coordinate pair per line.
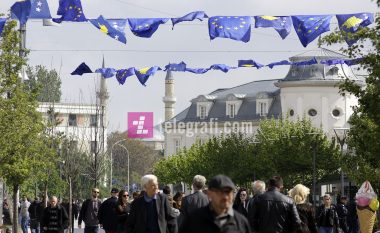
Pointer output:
x,y
93,147
263,109
202,111
336,112
72,120
312,112
231,110
177,145
93,120
291,112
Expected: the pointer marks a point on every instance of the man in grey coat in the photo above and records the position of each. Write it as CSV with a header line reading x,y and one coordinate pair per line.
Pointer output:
x,y
196,200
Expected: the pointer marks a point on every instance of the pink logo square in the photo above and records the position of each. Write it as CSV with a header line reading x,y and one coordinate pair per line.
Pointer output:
x,y
140,124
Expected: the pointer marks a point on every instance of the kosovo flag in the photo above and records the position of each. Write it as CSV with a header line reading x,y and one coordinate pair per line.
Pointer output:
x,y
82,69
21,10
104,26
181,67
39,10
144,74
351,23
279,63
123,74
221,67
2,24
197,70
106,72
249,63
282,24
309,27
118,24
190,17
70,10
145,27
233,27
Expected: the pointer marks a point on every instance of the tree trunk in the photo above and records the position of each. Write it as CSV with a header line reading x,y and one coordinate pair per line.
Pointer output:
x,y
15,208
46,198
70,205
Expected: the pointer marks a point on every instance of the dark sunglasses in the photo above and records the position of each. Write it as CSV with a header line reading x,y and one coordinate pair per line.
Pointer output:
x,y
125,195
95,191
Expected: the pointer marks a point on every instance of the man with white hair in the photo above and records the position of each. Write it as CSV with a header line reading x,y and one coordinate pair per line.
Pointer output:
x,y
258,187
151,212
196,200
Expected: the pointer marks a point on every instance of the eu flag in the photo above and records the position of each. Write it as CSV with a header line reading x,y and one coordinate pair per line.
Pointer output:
x,y
39,10
123,74
104,26
176,66
145,27
233,27
351,23
197,70
82,69
279,63
190,17
70,10
21,10
249,63
309,27
305,63
221,67
282,24
144,74
331,62
118,24
106,72
2,24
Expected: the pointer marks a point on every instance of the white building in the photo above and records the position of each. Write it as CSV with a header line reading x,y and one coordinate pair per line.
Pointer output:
x,y
81,123
306,91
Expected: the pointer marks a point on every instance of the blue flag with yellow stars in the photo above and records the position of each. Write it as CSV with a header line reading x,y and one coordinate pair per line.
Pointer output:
x,y
232,27
70,10
82,69
282,24
106,72
21,10
181,67
309,27
197,70
305,63
2,24
104,26
39,10
144,73
249,63
200,15
123,74
221,67
145,27
351,23
118,24
279,63
331,62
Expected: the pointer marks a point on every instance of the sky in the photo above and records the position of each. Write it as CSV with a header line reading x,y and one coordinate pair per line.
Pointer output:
x,y
64,48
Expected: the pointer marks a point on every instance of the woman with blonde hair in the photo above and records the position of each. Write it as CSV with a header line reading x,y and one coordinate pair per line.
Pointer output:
x,y
305,210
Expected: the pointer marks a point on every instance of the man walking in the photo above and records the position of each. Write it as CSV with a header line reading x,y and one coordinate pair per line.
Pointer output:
x,y
273,212
258,188
107,213
218,216
55,219
24,214
36,211
196,200
151,213
89,213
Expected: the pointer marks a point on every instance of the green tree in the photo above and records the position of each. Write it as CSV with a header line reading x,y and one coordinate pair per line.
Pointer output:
x,y
22,148
47,81
364,135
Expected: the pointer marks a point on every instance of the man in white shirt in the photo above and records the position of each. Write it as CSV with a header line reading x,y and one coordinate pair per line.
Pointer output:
x,y
24,214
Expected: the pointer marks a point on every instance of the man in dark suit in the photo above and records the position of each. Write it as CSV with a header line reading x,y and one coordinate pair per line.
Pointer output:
x,y
151,212
107,214
196,200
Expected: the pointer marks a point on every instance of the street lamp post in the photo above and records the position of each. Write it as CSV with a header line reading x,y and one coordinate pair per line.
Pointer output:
x,y
117,143
341,135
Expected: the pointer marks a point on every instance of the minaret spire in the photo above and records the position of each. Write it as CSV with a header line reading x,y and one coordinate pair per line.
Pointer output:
x,y
169,98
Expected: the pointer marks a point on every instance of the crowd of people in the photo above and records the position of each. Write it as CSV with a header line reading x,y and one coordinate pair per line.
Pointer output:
x,y
221,207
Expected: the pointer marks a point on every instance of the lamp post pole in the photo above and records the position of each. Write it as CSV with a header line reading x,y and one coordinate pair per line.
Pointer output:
x,y
341,135
111,171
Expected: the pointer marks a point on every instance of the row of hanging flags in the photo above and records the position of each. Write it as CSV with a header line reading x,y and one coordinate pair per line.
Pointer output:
x,y
145,73
307,27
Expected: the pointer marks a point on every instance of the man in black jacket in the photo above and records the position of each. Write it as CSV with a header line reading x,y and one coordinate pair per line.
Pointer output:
x,y
89,213
107,213
55,219
196,200
151,212
273,212
36,211
218,216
